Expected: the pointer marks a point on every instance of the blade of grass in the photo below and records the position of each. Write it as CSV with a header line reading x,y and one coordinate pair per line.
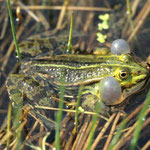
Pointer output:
x,y
77,106
132,27
94,120
13,29
58,118
117,135
17,113
129,14
140,121
70,34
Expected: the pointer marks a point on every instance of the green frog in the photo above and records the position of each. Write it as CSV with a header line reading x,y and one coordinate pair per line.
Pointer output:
x,y
46,66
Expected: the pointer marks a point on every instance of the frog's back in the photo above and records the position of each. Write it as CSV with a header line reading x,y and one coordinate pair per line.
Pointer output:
x,y
75,69
51,46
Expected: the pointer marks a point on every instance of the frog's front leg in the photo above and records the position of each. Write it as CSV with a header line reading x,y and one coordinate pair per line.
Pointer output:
x,y
24,88
89,102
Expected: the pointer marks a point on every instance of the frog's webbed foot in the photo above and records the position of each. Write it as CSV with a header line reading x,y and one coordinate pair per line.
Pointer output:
x,y
120,109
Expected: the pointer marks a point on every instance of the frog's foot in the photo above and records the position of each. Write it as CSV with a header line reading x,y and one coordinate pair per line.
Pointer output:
x,y
90,101
115,109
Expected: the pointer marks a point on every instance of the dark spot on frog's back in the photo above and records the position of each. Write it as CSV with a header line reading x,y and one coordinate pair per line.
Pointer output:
x,y
44,49
43,99
30,45
14,91
34,84
9,82
27,81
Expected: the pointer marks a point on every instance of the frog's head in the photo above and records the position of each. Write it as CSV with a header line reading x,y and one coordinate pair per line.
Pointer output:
x,y
132,77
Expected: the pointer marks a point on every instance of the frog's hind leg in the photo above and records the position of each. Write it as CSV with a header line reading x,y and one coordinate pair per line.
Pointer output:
x,y
14,92
23,89
26,88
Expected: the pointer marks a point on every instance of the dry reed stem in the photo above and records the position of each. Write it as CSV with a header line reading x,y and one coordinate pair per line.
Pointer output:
x,y
71,111
40,140
3,45
131,135
91,41
140,14
89,19
135,112
4,26
146,146
86,26
5,137
69,142
30,13
2,16
134,6
99,137
88,139
64,133
31,130
82,135
111,131
141,21
34,138
70,8
11,144
3,111
62,14
127,136
43,20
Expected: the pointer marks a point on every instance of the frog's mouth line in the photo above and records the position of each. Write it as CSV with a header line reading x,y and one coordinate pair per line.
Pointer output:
x,y
129,91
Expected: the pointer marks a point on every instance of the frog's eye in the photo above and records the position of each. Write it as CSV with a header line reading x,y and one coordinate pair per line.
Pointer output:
x,y
123,75
119,47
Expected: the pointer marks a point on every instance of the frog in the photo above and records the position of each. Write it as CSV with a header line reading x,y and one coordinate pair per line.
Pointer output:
x,y
47,66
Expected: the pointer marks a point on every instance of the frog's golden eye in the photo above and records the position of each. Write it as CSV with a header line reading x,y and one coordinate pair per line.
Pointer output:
x,y
123,75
